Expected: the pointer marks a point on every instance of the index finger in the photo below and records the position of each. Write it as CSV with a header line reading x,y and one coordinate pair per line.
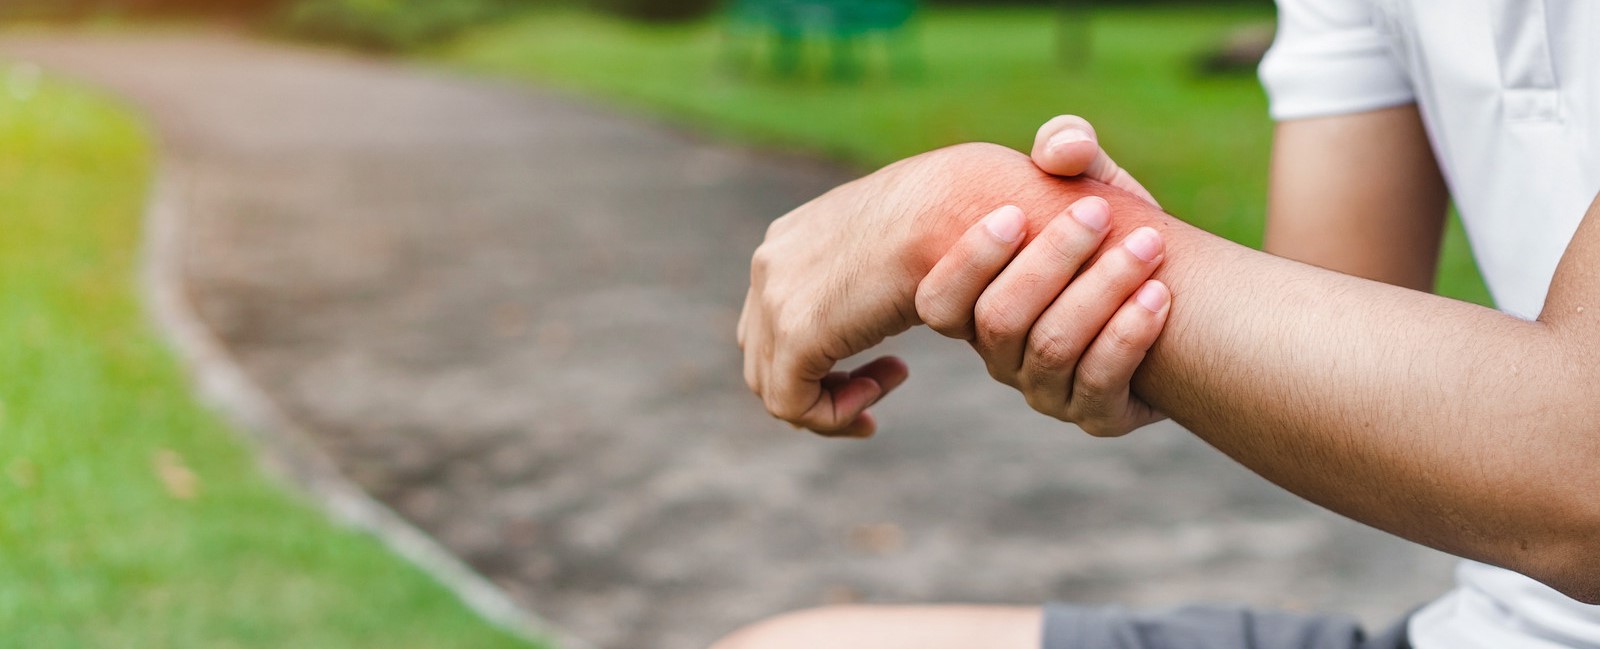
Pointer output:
x,y
833,404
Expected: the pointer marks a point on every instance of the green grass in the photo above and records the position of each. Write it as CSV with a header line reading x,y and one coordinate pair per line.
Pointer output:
x,y
1199,142
129,517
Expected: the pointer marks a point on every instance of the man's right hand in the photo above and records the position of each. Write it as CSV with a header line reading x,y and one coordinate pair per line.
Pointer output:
x,y
1069,342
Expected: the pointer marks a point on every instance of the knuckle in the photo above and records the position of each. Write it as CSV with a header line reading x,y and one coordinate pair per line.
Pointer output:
x,y
996,337
784,331
1110,428
935,309
1123,341
1092,386
1053,346
785,410
996,323
1068,241
1098,428
760,261
1052,349
1123,344
995,371
1090,401
952,328
1094,419
1126,270
1000,373
791,325
1039,402
772,306
928,296
1035,377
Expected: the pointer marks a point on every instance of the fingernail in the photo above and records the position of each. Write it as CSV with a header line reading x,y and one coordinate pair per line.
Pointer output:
x,y
1069,136
1005,223
1153,296
1093,212
1144,243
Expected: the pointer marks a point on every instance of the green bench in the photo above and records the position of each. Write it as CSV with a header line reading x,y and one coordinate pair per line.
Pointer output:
x,y
842,24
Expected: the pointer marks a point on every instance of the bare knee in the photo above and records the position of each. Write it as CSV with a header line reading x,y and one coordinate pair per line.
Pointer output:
x,y
893,627
818,627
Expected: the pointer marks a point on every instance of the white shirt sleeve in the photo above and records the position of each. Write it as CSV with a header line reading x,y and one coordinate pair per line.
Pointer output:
x,y
1330,58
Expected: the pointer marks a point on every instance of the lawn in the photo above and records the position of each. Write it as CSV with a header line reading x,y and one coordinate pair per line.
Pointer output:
x,y
1200,142
129,516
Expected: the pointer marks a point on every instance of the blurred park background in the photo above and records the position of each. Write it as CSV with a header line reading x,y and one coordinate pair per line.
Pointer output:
x,y
1169,82
130,516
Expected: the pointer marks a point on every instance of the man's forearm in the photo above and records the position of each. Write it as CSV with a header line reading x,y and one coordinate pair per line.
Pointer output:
x,y
1443,422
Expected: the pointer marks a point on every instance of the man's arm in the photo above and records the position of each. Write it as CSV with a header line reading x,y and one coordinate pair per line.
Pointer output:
x,y
1360,194
1357,193
1443,422
1446,423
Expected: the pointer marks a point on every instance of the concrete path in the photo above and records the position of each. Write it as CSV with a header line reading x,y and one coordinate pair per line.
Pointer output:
x,y
509,315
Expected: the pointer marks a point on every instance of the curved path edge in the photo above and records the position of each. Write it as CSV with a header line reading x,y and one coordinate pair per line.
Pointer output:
x,y
283,447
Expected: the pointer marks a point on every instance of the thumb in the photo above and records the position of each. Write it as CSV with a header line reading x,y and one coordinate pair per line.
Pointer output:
x,y
1068,146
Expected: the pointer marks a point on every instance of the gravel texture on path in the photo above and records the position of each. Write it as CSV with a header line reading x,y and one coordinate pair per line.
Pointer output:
x,y
509,314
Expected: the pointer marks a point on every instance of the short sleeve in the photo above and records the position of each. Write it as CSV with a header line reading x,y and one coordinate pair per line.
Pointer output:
x,y
1330,58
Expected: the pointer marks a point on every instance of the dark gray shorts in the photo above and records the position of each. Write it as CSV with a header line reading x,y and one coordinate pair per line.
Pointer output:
x,y
1206,627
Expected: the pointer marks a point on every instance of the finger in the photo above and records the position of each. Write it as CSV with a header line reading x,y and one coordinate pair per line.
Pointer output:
x,y
744,317
865,426
752,375
1068,146
1079,315
1102,399
750,351
1065,146
948,295
832,403
791,382
861,426
1008,307
840,404
888,372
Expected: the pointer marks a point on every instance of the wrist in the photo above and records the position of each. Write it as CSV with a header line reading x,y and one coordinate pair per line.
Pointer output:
x,y
940,194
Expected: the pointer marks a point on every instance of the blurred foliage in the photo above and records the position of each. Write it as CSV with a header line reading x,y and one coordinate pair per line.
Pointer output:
x,y
382,25
388,25
79,9
391,25
1199,141
659,10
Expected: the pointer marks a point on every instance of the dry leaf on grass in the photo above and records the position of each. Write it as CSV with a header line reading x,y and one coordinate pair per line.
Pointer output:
x,y
179,480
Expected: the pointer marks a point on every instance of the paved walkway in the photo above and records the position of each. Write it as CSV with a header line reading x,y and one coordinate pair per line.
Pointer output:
x,y
509,315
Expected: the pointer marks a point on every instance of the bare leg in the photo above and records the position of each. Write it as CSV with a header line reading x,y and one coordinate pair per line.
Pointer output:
x,y
894,627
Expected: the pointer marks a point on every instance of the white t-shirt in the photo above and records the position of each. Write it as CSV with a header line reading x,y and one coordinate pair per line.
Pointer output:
x,y
1509,91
